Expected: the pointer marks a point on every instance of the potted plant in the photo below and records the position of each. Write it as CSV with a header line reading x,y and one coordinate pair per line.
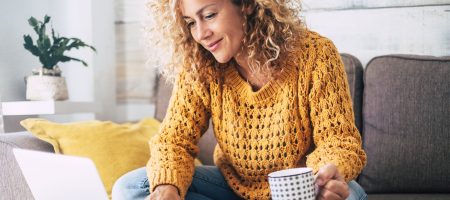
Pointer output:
x,y
46,82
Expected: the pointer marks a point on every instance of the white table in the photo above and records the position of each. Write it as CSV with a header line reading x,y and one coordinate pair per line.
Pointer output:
x,y
23,108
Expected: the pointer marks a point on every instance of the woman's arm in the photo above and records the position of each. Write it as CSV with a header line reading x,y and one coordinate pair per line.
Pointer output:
x,y
174,149
335,135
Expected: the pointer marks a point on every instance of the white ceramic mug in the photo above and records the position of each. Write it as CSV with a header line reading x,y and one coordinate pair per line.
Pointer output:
x,y
292,184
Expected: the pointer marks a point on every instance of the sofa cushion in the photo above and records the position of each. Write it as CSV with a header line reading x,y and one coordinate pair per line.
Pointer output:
x,y
409,197
114,148
406,112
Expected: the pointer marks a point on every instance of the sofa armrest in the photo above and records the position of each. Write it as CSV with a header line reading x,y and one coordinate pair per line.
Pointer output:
x,y
12,182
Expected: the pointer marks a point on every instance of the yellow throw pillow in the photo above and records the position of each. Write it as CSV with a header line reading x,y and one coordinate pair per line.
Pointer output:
x,y
114,148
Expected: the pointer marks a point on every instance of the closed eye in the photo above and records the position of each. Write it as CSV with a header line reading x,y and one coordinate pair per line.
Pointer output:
x,y
210,16
190,23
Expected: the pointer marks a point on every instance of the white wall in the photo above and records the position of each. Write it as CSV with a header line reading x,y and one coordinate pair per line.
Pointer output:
x,y
361,4
105,61
367,29
135,79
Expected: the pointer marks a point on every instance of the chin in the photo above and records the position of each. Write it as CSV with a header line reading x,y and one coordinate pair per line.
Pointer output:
x,y
222,59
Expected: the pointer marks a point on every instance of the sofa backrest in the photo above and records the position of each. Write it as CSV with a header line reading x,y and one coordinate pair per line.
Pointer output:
x,y
406,122
12,182
354,71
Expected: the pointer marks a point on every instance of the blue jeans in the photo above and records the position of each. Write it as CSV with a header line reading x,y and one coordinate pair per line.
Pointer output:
x,y
207,184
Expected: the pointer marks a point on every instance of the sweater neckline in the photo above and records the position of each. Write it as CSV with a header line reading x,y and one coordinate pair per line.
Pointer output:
x,y
242,87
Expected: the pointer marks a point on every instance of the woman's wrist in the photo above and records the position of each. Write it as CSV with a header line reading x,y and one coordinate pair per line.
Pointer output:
x,y
168,187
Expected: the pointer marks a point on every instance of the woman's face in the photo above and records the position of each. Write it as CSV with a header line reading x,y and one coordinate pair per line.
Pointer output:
x,y
215,24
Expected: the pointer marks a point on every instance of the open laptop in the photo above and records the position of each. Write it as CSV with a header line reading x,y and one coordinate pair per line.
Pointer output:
x,y
55,177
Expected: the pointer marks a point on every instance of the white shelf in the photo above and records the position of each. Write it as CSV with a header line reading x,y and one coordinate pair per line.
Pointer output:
x,y
47,107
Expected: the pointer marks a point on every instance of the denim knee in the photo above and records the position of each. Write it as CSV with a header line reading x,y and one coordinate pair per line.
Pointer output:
x,y
131,186
356,191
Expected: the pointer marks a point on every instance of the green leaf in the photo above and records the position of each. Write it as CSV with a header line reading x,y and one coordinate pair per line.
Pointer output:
x,y
42,32
77,43
54,36
50,48
67,58
32,21
30,46
46,62
46,43
46,19
28,39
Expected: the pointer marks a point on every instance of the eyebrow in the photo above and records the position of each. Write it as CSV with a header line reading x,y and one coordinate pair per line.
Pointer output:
x,y
201,10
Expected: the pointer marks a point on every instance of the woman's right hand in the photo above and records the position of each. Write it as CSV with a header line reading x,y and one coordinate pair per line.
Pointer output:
x,y
164,192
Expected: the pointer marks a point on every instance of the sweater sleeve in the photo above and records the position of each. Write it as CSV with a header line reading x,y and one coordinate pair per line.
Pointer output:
x,y
173,150
335,135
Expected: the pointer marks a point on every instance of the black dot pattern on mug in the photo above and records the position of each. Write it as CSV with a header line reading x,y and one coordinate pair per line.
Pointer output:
x,y
296,187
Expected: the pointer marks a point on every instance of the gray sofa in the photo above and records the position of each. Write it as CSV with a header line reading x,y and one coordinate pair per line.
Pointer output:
x,y
402,108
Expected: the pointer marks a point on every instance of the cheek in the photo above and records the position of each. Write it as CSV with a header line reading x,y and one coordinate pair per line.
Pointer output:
x,y
193,35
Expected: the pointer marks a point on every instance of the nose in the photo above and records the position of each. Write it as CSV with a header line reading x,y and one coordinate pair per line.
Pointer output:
x,y
203,31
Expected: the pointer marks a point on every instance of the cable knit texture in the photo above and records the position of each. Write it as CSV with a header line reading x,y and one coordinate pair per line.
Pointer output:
x,y
302,118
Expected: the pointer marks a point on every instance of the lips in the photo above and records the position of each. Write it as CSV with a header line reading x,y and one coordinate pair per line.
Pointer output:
x,y
213,46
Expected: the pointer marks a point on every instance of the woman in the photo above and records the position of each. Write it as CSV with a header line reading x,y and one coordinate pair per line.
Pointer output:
x,y
275,91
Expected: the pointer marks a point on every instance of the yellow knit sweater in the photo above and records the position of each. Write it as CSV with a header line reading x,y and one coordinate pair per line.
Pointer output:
x,y
302,118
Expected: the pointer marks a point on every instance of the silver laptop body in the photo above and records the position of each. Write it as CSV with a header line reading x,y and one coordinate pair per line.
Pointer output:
x,y
56,177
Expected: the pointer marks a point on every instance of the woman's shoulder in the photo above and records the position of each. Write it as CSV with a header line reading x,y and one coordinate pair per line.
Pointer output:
x,y
313,45
315,40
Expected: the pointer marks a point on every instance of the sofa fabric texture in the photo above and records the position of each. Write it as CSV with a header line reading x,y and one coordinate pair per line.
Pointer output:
x,y
406,112
12,183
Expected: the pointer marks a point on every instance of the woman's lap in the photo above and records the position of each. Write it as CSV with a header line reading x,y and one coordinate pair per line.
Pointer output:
x,y
133,185
207,184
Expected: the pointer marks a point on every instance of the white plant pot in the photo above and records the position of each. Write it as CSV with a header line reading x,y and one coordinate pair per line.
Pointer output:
x,y
46,88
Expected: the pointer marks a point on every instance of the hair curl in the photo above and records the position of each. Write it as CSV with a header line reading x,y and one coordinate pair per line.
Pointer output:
x,y
272,31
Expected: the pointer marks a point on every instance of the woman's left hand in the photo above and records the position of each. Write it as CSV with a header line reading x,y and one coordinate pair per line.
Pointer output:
x,y
331,184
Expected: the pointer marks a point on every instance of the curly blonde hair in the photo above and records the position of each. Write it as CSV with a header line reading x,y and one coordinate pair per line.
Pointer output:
x,y
272,31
